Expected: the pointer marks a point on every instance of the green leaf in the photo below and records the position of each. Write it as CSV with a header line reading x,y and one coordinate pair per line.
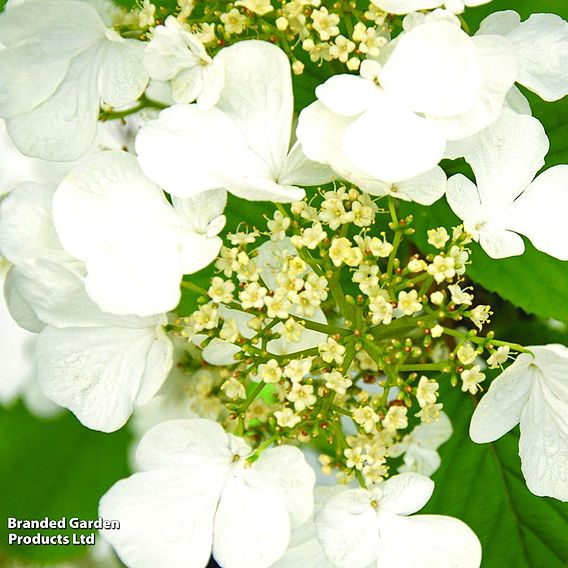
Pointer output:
x,y
483,486
535,282
54,469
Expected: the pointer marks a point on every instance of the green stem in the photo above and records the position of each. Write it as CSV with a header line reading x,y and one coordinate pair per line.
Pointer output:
x,y
194,288
423,367
483,341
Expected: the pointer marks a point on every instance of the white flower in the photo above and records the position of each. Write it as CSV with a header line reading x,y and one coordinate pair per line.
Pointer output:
x,y
409,6
175,54
438,84
95,364
188,150
541,43
195,496
419,447
55,70
533,391
260,7
505,159
135,245
360,528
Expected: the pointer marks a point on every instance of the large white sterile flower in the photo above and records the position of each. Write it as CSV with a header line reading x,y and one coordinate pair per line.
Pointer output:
x,y
135,245
505,159
242,144
175,54
55,70
438,84
197,493
361,528
419,447
408,6
541,44
95,364
533,391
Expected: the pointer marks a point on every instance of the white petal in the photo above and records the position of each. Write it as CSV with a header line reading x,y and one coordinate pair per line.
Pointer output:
x,y
499,69
285,468
500,23
304,549
405,493
435,433
517,102
413,146
187,444
185,153
123,77
258,92
26,226
17,368
299,170
97,372
348,529
166,518
423,541
424,189
251,528
543,446
542,47
21,311
346,95
67,121
420,460
320,131
499,243
262,188
202,209
505,158
38,50
406,6
500,408
540,213
463,198
434,69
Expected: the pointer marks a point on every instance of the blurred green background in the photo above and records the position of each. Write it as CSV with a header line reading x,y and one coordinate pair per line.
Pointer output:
x,y
58,468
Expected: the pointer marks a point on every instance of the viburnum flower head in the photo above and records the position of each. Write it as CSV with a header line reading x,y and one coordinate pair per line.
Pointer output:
x,y
188,150
56,69
506,201
533,391
360,528
392,123
198,493
96,364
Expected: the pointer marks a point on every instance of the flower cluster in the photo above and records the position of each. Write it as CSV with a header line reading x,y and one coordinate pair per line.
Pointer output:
x,y
259,356
313,311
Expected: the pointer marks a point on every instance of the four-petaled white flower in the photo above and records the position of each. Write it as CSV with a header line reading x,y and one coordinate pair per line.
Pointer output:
x,y
197,493
96,364
175,54
136,246
188,150
361,528
438,84
505,159
533,391
56,69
